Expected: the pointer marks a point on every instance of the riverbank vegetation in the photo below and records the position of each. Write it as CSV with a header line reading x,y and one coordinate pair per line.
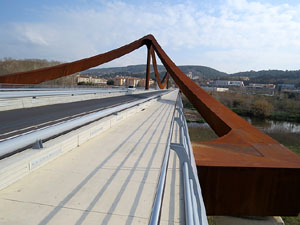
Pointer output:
x,y
277,107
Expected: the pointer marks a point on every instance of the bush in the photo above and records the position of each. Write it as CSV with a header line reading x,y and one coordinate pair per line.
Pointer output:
x,y
110,82
261,108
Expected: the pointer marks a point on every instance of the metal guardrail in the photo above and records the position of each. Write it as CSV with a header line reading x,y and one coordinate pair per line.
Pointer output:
x,y
15,93
195,213
9,146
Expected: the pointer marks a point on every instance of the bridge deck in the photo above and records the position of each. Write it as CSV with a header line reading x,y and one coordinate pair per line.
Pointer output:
x,y
110,179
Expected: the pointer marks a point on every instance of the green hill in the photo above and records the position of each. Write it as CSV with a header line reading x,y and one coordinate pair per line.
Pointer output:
x,y
271,76
9,65
140,71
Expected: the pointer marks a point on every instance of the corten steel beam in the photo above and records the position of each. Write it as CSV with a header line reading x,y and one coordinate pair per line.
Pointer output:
x,y
161,84
50,73
165,78
243,172
148,68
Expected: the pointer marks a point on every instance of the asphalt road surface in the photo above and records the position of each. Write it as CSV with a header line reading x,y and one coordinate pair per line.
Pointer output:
x,y
20,121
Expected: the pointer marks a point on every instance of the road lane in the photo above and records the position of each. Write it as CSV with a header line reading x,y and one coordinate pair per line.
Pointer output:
x,y
20,121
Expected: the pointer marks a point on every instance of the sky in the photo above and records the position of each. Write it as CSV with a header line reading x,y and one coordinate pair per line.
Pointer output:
x,y
228,35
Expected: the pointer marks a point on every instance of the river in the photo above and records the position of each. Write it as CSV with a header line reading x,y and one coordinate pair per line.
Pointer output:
x,y
287,133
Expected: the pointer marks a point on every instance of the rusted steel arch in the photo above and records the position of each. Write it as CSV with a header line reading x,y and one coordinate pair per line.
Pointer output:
x,y
237,170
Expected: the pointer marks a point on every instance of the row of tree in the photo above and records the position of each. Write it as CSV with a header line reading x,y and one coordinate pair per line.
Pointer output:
x,y
9,65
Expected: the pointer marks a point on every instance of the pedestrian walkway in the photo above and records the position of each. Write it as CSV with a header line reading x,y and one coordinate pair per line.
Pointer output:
x,y
110,179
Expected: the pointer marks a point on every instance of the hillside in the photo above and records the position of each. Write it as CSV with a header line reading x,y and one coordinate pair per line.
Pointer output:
x,y
140,70
271,76
9,65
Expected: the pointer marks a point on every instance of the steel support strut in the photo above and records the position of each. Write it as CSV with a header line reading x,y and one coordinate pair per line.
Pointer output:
x,y
163,84
147,85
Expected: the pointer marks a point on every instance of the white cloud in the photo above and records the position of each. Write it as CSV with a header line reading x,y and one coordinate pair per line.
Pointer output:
x,y
232,36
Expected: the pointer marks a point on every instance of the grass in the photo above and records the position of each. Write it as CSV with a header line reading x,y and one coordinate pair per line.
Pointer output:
x,y
201,133
295,149
211,220
291,220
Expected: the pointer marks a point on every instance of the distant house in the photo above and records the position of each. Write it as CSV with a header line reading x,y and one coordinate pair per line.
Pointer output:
x,y
131,81
83,79
227,83
96,80
244,78
90,80
236,83
252,85
221,83
190,75
218,89
119,80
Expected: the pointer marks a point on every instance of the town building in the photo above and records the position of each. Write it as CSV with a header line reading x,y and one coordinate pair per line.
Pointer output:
x,y
83,79
252,85
190,75
286,86
236,83
90,80
119,81
131,81
220,83
243,78
218,89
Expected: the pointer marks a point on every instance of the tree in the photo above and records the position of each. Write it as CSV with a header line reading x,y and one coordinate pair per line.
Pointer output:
x,y
262,108
110,82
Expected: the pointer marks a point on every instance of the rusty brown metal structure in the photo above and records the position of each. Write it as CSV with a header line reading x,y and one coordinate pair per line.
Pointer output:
x,y
244,172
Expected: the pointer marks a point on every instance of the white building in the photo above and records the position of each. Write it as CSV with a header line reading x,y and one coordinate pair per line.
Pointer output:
x,y
221,83
236,83
190,75
92,80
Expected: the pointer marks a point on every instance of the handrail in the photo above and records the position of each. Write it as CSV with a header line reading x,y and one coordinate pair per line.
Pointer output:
x,y
157,204
186,156
187,196
193,201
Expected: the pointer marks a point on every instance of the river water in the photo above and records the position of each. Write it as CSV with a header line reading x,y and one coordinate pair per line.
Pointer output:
x,y
287,133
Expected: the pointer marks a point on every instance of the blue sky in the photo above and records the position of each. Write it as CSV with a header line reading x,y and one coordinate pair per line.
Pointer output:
x,y
228,35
